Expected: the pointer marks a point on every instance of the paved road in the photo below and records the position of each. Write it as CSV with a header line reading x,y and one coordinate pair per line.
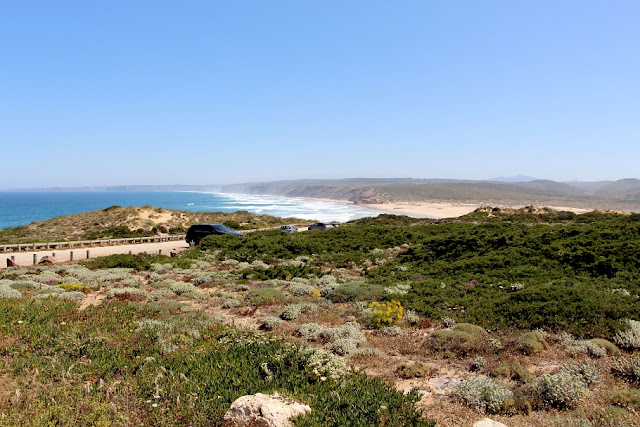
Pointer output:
x,y
26,258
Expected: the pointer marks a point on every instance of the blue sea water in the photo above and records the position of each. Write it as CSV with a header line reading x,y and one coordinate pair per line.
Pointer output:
x,y
22,208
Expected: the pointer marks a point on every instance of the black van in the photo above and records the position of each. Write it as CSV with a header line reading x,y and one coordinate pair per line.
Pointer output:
x,y
199,231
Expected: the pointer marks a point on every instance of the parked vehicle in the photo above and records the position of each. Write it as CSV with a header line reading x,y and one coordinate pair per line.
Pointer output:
x,y
320,226
197,232
289,229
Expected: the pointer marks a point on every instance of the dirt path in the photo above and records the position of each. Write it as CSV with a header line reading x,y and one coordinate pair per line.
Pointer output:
x,y
57,256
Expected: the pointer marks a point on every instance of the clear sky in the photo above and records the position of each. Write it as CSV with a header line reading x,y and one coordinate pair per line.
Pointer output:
x,y
215,92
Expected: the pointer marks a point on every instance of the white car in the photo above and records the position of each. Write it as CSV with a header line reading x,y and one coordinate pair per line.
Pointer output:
x,y
289,229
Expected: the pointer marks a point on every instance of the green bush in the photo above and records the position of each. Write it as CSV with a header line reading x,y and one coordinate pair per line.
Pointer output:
x,y
265,296
463,339
628,398
139,262
354,291
532,342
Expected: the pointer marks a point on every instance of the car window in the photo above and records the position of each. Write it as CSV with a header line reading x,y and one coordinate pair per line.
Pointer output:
x,y
221,228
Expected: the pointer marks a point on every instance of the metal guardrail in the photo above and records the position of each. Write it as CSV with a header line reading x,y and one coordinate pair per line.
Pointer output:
x,y
20,247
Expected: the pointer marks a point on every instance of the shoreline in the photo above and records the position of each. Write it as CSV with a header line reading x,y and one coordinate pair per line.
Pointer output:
x,y
436,210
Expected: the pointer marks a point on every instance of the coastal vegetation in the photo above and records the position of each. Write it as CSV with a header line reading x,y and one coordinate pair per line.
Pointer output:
x,y
120,222
529,315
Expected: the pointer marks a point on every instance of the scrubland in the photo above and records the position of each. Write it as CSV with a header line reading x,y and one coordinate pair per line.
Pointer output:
x,y
527,316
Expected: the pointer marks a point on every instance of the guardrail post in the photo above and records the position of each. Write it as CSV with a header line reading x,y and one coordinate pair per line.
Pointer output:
x,y
87,253
70,255
159,251
35,257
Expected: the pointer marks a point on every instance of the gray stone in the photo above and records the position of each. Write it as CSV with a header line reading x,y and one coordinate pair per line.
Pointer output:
x,y
488,422
261,410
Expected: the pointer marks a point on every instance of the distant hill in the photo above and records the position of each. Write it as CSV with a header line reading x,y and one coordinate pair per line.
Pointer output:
x,y
517,178
620,195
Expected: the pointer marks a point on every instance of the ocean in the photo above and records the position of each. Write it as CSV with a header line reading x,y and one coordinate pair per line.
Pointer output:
x,y
22,208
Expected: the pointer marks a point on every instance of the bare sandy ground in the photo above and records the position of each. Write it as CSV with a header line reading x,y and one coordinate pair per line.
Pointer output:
x,y
58,256
446,210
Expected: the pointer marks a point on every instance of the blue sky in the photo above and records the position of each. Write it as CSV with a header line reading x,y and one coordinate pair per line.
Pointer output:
x,y
215,92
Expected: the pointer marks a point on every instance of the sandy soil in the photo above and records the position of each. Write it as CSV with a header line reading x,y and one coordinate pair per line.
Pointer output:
x,y
63,255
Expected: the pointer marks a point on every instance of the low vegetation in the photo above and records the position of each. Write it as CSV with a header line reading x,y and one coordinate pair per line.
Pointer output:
x,y
531,317
117,222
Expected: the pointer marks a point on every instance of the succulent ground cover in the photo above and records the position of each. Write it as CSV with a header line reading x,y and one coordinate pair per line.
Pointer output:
x,y
407,304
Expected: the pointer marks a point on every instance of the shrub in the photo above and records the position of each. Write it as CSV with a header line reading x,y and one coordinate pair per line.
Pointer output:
x,y
384,314
483,394
398,289
408,370
265,296
410,317
321,362
343,346
448,322
299,289
477,363
607,345
180,288
629,398
390,331
8,292
353,291
627,368
138,262
561,390
463,338
630,338
127,293
532,342
587,371
71,287
72,296
309,331
292,311
231,303
269,323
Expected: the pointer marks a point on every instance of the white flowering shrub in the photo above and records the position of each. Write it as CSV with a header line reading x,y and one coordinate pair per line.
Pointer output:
x,y
162,293
627,368
323,363
630,338
199,278
7,292
560,390
182,288
410,317
448,322
300,290
309,331
343,346
483,393
292,311
260,264
269,323
398,289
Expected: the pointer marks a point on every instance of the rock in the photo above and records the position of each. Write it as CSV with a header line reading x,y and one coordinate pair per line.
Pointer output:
x,y
45,261
261,410
488,422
